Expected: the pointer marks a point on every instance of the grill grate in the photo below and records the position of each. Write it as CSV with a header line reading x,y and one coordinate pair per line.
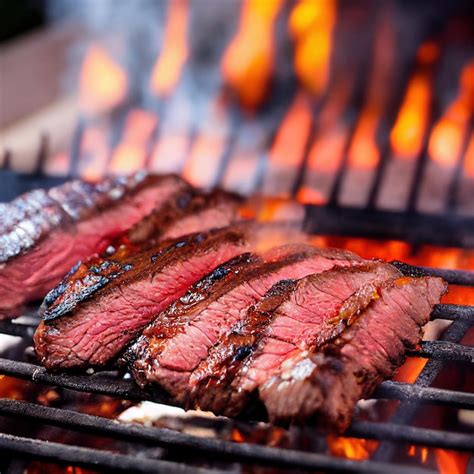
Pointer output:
x,y
391,433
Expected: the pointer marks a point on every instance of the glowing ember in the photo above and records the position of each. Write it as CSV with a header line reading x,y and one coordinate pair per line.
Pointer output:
x,y
406,136
248,61
351,448
103,83
451,462
168,67
446,140
311,25
131,152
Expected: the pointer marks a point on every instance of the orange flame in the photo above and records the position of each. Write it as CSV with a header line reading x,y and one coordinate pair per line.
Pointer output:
x,y
168,67
451,462
351,448
94,153
406,136
131,152
103,83
248,61
311,25
364,153
290,141
447,137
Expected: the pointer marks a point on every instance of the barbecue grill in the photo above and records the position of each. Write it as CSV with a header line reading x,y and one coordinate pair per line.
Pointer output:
x,y
140,448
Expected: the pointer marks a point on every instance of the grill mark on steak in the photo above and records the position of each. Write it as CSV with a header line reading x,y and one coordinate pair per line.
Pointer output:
x,y
140,285
44,233
186,212
173,346
324,385
291,316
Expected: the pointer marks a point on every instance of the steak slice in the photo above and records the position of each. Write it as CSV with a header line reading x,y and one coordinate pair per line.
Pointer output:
x,y
180,338
101,307
188,211
325,385
44,233
292,316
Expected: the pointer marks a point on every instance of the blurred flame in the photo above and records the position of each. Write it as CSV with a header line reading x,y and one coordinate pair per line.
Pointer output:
x,y
94,153
446,140
421,451
410,370
290,141
406,136
168,67
248,61
351,448
451,462
103,83
364,153
131,152
311,24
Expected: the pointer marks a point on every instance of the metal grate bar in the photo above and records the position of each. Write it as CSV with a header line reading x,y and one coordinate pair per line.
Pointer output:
x,y
412,435
277,457
90,458
126,389
444,351
407,410
415,393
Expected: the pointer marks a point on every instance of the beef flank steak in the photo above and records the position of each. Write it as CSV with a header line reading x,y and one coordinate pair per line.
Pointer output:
x,y
44,233
102,305
186,212
293,315
180,338
324,384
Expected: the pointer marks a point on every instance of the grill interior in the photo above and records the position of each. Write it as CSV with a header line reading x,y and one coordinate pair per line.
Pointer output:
x,y
449,224
393,434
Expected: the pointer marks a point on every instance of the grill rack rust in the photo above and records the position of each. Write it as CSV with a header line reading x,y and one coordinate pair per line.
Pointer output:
x,y
109,383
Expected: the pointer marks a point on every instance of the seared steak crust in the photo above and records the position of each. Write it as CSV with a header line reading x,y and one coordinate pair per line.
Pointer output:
x,y
180,338
98,309
291,316
186,212
325,384
103,305
44,233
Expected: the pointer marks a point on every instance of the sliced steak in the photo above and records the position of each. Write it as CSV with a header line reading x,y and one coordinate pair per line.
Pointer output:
x,y
44,233
325,385
186,212
292,316
180,338
103,305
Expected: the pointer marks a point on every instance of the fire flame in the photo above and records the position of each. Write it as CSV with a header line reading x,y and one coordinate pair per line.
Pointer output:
x,y
248,61
103,82
446,140
168,67
130,154
406,136
451,462
290,141
311,25
351,448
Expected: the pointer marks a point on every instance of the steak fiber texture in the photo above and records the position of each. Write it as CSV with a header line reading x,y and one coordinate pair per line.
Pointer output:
x,y
103,305
44,233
